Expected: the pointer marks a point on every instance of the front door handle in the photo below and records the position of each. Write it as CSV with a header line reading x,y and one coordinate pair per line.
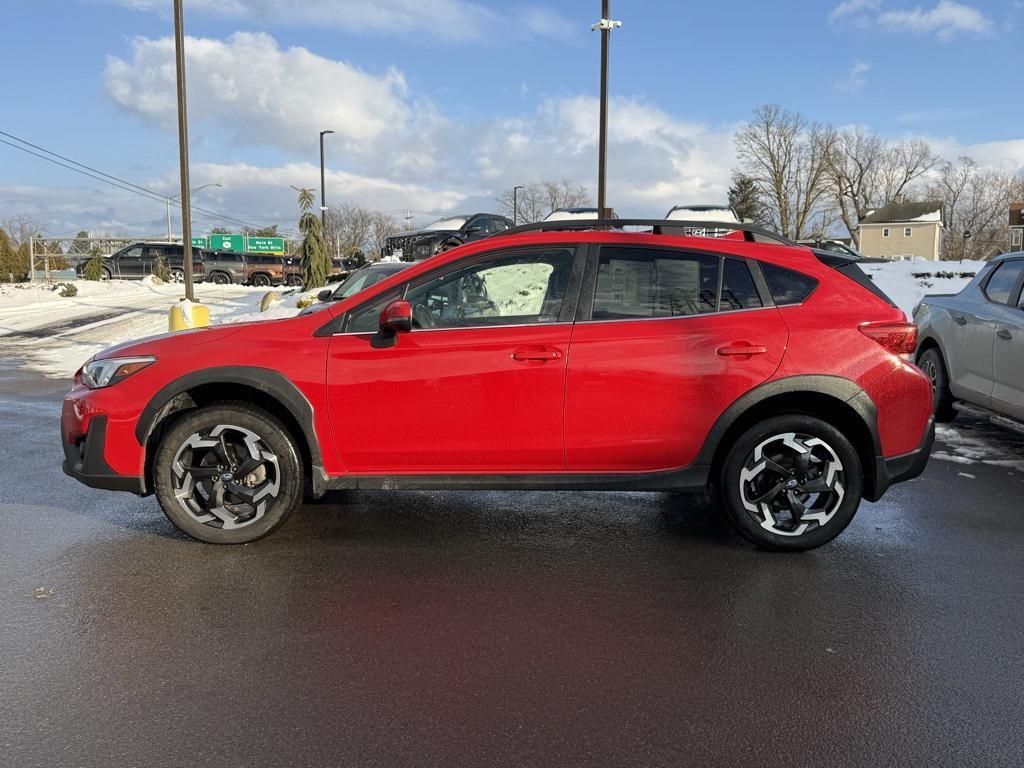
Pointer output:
x,y
960,319
745,350
537,353
1002,333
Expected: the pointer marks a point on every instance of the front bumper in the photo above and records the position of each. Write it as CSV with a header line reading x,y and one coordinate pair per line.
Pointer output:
x,y
84,460
898,469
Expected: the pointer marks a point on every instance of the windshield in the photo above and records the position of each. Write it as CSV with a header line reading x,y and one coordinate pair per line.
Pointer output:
x,y
358,280
452,222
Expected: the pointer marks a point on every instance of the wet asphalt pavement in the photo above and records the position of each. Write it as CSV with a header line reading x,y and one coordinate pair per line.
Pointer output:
x,y
527,629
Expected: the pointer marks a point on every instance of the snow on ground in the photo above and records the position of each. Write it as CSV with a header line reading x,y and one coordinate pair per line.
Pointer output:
x,y
55,335
897,279
967,444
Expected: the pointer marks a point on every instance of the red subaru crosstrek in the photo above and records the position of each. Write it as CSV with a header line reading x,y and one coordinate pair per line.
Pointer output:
x,y
557,356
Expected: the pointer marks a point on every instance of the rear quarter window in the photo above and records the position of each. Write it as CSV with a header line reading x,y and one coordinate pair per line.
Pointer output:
x,y
786,285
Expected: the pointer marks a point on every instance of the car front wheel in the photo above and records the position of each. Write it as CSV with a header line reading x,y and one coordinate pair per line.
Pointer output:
x,y
227,474
791,483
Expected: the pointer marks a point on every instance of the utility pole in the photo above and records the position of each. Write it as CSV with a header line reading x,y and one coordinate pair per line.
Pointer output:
x,y
186,202
515,204
605,25
323,188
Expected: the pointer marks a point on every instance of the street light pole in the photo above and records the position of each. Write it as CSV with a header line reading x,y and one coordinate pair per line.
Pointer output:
x,y
515,204
606,25
186,202
323,187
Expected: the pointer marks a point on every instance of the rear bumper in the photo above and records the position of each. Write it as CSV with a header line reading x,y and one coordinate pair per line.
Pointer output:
x,y
898,469
83,460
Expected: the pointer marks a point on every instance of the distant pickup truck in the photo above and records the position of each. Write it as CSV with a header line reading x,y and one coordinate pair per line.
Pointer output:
x,y
971,345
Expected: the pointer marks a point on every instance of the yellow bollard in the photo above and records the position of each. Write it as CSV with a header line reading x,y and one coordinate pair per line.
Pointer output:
x,y
188,314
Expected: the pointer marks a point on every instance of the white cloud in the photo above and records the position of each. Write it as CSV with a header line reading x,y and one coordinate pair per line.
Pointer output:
x,y
250,89
446,20
855,79
945,20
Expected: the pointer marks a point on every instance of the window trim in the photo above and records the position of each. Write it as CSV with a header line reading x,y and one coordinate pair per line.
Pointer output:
x,y
566,315
1015,291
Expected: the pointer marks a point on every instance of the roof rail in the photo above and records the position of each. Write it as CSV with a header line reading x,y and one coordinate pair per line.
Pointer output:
x,y
659,227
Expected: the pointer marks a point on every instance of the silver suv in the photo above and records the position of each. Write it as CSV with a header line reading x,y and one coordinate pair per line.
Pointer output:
x,y
972,344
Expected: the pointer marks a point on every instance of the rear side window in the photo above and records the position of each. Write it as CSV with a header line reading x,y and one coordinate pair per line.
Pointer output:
x,y
651,283
1003,281
787,286
738,288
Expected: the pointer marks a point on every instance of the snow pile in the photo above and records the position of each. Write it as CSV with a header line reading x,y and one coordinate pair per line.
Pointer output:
x,y
907,282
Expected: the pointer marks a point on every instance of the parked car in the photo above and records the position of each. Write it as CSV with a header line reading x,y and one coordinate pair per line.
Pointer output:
x,y
136,261
972,344
708,213
362,278
265,270
444,234
571,359
225,267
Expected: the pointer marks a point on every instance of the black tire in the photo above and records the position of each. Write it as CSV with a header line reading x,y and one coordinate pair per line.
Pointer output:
x,y
448,244
177,276
209,443
261,280
830,476
106,275
294,280
932,363
220,278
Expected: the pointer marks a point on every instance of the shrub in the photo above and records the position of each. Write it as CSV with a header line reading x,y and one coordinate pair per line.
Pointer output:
x,y
93,269
161,270
67,290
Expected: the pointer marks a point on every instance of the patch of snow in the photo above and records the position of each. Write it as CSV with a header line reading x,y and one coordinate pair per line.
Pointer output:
x,y
935,215
703,213
897,279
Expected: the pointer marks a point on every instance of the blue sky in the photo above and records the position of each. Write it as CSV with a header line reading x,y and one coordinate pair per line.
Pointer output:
x,y
441,104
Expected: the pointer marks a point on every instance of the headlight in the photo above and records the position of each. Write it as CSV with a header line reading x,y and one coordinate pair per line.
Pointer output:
x,y
104,373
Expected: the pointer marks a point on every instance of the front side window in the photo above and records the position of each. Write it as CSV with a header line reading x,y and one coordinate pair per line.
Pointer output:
x,y
1000,286
511,289
131,253
653,283
528,287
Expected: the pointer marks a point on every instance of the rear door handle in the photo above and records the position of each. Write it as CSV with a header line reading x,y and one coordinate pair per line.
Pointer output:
x,y
537,353
960,319
1002,333
746,351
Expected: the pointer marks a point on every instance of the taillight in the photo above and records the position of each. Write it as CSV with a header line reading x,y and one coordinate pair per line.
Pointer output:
x,y
897,338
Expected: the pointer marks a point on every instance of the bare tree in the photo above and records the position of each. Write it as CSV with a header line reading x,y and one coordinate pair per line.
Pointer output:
x,y
866,172
384,226
975,201
788,159
535,201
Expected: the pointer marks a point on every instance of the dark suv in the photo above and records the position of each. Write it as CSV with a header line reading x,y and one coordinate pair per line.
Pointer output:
x,y
444,234
223,267
136,261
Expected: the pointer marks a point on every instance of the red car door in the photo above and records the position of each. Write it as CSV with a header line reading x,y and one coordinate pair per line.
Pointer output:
x,y
665,349
477,386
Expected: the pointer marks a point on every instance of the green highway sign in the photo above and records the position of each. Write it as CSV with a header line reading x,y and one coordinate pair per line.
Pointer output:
x,y
227,243
200,242
264,244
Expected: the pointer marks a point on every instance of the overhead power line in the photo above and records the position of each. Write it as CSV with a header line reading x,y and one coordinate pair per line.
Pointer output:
x,y
115,181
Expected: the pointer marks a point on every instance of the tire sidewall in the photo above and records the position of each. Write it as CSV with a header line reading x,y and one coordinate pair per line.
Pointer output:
x,y
270,430
741,518
942,396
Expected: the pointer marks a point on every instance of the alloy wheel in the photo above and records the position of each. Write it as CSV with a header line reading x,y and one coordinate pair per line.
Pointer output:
x,y
225,476
792,483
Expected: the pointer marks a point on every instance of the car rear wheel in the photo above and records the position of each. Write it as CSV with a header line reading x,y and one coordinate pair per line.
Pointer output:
x,y
227,474
261,280
931,362
791,483
295,280
219,278
177,276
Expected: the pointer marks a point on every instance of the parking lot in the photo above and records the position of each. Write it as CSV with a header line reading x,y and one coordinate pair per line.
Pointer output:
x,y
508,628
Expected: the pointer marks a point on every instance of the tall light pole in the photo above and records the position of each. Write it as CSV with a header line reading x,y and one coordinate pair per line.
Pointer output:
x,y
515,204
186,202
172,198
323,187
606,25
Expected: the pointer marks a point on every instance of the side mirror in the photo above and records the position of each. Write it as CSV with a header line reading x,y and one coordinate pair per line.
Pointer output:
x,y
325,295
396,317
474,230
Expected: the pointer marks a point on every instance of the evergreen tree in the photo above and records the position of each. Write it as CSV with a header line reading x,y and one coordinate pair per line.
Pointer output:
x,y
93,269
745,199
10,261
316,264
160,269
